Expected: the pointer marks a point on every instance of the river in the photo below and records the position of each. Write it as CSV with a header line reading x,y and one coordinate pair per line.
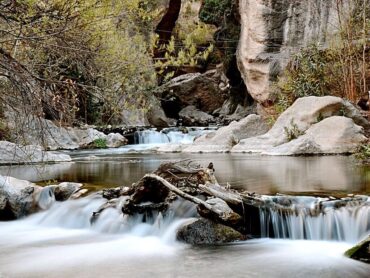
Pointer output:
x,y
61,242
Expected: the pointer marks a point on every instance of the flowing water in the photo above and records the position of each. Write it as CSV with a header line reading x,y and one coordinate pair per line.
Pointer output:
x,y
63,242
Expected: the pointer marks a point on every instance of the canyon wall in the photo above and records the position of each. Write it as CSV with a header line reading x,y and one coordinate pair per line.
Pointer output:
x,y
272,31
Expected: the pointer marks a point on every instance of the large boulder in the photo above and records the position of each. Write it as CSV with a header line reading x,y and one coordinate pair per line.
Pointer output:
x,y
11,153
226,137
191,116
334,135
206,92
19,198
206,232
273,31
297,119
115,140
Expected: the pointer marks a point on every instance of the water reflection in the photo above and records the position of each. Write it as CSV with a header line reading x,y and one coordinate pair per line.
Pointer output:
x,y
261,174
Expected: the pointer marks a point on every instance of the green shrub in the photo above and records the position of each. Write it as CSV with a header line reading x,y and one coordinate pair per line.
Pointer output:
x,y
293,131
100,143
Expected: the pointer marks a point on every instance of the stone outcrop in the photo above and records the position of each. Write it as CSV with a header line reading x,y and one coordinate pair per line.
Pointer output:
x,y
11,153
191,116
334,135
206,232
226,137
272,31
50,136
297,119
206,92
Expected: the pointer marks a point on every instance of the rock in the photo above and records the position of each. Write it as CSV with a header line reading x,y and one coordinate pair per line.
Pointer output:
x,y
334,135
20,198
191,116
297,119
273,31
361,251
65,190
158,118
196,89
134,117
205,232
52,137
226,137
115,140
11,153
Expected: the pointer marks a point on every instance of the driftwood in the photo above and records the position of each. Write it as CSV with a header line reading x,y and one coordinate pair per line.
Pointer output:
x,y
155,192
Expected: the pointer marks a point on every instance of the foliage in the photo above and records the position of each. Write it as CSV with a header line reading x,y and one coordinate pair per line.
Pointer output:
x,y
363,153
342,69
216,11
100,143
292,132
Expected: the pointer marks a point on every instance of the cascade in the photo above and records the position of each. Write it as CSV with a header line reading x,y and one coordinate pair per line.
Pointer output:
x,y
317,219
185,135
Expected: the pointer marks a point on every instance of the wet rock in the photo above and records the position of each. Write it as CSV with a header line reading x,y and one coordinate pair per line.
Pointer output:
x,y
226,137
65,190
297,119
334,135
206,232
115,140
361,251
11,153
20,198
158,118
191,116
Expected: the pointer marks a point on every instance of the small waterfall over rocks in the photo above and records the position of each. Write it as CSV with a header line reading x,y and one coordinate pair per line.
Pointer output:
x,y
346,219
184,135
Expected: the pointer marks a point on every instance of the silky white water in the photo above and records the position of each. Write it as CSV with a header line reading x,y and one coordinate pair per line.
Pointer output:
x,y
308,218
170,135
63,241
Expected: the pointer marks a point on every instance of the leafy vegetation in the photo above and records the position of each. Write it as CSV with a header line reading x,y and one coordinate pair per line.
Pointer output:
x,y
292,132
100,143
342,69
86,60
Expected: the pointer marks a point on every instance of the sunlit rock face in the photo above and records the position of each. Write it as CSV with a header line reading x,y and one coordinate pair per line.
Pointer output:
x,y
272,31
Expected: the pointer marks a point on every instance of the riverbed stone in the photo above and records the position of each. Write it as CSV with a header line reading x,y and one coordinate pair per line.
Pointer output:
x,y
11,153
206,232
21,198
297,119
115,140
65,190
226,137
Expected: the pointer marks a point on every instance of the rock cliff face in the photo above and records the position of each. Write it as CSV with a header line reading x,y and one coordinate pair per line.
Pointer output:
x,y
272,31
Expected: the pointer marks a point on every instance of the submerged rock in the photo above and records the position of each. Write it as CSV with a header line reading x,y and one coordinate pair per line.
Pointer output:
x,y
206,232
226,137
297,119
361,251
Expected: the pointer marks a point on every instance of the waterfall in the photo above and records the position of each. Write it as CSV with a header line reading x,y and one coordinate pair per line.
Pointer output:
x,y
77,214
185,135
317,219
